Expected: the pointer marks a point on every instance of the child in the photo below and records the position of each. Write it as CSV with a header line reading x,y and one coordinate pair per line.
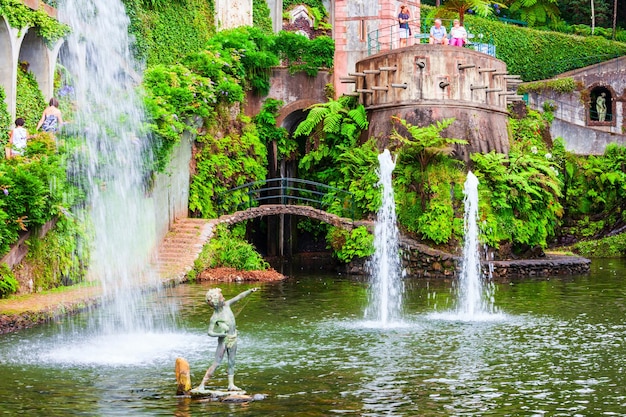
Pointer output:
x,y
222,325
17,138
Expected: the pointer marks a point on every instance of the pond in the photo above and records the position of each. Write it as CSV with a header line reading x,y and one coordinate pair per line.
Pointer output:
x,y
556,348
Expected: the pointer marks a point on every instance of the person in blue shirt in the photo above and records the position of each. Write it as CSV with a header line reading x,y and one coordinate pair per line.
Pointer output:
x,y
403,20
438,34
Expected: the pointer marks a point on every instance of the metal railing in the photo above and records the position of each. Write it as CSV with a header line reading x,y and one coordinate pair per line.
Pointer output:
x,y
388,37
291,191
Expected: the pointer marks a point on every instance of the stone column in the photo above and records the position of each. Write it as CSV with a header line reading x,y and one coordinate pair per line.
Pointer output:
x,y
233,13
276,13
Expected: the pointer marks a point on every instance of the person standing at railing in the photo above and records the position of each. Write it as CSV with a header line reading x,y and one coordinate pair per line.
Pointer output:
x,y
403,20
458,34
438,34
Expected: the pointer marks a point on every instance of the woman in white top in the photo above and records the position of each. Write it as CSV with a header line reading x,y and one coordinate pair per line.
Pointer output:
x,y
458,34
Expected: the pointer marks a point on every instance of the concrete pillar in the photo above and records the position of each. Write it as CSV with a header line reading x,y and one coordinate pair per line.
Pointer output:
x,y
233,13
10,41
34,51
276,13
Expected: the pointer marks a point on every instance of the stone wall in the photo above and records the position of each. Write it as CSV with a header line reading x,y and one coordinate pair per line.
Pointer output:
x,y
171,188
297,91
573,122
421,261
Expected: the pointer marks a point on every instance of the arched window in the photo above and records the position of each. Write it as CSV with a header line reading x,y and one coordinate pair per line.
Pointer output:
x,y
601,105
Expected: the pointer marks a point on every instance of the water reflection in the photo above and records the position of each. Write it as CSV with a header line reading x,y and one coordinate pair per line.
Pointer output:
x,y
558,351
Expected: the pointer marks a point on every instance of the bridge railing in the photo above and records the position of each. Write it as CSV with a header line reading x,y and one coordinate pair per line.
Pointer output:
x,y
293,191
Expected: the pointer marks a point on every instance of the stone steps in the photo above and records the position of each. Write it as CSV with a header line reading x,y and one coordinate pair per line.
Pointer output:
x,y
181,247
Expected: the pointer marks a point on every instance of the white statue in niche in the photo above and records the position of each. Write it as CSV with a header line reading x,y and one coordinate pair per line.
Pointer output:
x,y
601,107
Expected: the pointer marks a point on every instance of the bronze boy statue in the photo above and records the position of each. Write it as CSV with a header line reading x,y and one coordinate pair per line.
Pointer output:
x,y
222,325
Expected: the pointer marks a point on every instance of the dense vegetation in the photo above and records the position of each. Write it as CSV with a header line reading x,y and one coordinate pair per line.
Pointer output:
x,y
197,80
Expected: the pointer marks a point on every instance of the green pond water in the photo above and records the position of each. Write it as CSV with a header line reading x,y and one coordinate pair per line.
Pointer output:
x,y
556,349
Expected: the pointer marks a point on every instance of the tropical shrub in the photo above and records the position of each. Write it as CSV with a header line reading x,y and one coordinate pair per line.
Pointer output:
x,y
265,123
30,102
539,54
21,16
519,196
229,249
5,118
8,283
165,32
427,181
347,245
223,163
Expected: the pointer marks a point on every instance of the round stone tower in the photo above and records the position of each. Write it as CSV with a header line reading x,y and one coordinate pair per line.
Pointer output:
x,y
427,83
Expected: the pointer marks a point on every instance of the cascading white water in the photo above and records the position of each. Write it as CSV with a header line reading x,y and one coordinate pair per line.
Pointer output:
x,y
112,163
474,297
385,304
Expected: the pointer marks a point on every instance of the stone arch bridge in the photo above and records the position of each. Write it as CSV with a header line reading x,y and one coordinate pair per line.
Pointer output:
x,y
182,245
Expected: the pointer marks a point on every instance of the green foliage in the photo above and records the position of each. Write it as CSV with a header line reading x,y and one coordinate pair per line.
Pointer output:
x,y
224,163
538,54
268,131
261,16
536,12
30,102
5,119
251,53
608,247
519,196
347,245
595,187
8,283
21,16
60,257
560,85
332,128
34,189
358,166
460,7
229,249
166,32
300,53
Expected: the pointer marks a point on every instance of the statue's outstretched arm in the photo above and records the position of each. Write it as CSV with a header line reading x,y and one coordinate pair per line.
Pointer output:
x,y
241,295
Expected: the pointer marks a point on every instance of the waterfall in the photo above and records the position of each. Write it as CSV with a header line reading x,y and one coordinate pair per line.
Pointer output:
x,y
112,159
385,304
475,299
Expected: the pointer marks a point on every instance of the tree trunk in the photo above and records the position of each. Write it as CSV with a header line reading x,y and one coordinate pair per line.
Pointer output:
x,y
593,18
438,3
614,18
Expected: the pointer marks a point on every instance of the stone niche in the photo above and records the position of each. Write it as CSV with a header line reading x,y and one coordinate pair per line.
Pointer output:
x,y
427,83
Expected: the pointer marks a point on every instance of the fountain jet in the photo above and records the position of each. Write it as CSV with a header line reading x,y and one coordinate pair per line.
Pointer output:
x,y
385,267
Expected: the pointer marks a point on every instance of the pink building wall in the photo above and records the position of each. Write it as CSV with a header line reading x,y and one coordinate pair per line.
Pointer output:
x,y
353,20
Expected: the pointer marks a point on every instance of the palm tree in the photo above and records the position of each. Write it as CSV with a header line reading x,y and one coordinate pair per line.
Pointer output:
x,y
536,11
614,18
480,7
